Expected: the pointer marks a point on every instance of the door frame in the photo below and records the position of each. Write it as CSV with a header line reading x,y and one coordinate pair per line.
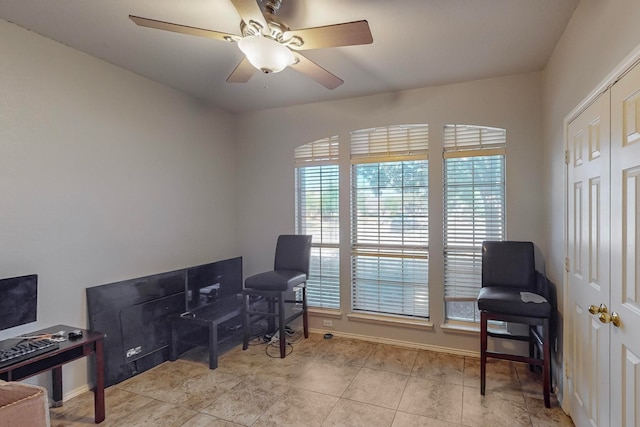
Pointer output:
x,y
616,74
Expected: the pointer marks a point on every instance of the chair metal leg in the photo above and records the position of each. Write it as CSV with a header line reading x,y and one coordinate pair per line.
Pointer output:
x,y
483,352
281,328
276,302
546,367
247,326
271,308
305,316
532,348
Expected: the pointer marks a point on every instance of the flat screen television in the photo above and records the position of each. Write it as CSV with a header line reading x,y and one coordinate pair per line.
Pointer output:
x,y
134,314
18,301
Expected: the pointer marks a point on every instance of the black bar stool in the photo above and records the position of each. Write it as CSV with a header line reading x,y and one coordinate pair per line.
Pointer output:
x,y
291,270
512,291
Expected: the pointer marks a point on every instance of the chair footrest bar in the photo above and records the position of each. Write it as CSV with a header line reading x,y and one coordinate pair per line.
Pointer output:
x,y
515,358
506,336
525,320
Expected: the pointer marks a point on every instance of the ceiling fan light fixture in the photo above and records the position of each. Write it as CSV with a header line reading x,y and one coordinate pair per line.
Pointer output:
x,y
266,54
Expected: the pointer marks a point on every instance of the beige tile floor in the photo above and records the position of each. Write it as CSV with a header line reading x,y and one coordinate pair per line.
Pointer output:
x,y
336,382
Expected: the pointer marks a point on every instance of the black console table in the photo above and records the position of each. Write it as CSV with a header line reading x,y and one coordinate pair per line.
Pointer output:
x,y
90,343
211,317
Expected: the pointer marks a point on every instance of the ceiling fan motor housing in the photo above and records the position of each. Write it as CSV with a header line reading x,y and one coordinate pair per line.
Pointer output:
x,y
271,6
276,30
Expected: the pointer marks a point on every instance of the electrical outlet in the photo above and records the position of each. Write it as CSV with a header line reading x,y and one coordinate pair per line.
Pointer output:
x,y
328,323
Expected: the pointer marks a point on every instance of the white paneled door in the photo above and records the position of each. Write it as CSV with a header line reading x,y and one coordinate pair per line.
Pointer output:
x,y
625,250
588,250
604,258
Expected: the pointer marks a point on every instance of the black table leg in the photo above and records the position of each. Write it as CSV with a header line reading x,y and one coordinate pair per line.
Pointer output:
x,y
98,396
56,382
213,345
173,351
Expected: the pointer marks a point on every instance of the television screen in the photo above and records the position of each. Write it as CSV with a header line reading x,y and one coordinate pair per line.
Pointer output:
x,y
18,300
135,314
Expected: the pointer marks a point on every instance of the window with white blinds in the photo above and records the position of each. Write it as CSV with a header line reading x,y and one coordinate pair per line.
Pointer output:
x,y
317,214
474,210
389,221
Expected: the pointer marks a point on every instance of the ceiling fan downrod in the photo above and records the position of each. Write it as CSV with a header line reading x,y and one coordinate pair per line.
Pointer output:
x,y
272,6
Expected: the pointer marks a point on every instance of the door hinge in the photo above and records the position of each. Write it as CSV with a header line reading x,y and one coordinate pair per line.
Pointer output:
x,y
567,264
567,157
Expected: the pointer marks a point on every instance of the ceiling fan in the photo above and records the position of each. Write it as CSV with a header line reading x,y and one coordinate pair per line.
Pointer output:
x,y
270,46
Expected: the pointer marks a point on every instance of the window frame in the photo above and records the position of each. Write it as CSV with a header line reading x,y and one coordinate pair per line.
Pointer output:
x,y
462,264
323,284
372,291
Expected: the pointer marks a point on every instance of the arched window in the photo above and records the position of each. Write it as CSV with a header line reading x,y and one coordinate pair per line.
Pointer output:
x,y
317,214
474,210
390,220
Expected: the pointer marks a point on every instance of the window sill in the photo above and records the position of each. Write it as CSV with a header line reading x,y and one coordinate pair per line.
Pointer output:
x,y
460,328
391,321
325,312
470,329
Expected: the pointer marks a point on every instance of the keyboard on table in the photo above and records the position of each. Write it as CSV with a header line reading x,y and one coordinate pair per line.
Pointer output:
x,y
26,350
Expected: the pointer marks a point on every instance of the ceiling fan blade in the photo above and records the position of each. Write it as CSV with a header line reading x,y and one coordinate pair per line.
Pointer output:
x,y
250,11
177,28
316,72
242,72
346,34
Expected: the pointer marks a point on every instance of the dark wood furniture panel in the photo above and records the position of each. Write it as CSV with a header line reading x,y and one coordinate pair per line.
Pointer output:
x,y
90,343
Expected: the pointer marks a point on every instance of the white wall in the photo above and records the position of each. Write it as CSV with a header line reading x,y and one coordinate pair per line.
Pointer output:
x,y
104,176
266,142
599,36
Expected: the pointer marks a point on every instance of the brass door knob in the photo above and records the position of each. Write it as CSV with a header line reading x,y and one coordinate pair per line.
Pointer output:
x,y
610,318
595,310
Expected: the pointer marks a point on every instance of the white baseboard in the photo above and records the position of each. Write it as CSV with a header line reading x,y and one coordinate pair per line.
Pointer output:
x,y
76,392
399,343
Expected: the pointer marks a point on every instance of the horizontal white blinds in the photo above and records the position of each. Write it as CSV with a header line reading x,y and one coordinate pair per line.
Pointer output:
x,y
390,222
463,137
474,204
323,286
323,150
317,214
318,210
391,141
394,285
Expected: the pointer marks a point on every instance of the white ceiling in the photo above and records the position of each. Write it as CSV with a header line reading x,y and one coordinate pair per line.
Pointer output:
x,y
416,43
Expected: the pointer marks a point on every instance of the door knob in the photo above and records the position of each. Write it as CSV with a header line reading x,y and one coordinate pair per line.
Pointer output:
x,y
595,310
610,318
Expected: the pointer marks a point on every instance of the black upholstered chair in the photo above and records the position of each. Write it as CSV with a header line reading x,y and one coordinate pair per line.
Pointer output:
x,y
512,291
290,270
